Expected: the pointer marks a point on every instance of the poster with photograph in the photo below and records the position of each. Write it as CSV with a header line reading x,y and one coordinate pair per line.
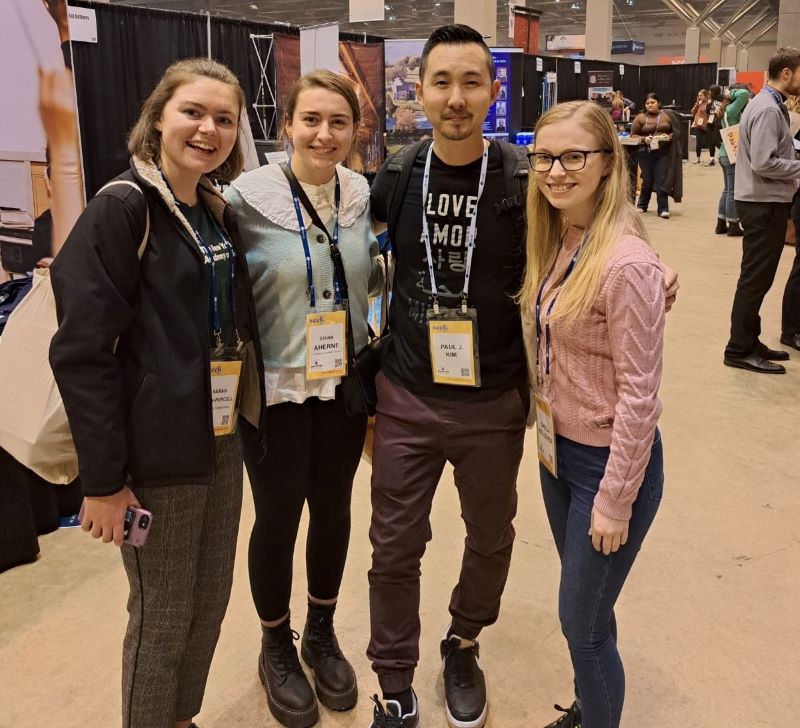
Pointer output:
x,y
601,86
41,181
405,120
497,119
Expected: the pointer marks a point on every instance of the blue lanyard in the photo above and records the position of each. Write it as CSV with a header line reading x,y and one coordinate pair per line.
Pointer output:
x,y
776,96
334,240
214,296
216,323
539,296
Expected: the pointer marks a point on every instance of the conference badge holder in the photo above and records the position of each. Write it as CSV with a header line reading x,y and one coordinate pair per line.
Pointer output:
x,y
326,343
453,340
226,376
546,433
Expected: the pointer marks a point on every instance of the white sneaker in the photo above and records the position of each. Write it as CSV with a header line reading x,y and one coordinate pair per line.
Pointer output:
x,y
664,214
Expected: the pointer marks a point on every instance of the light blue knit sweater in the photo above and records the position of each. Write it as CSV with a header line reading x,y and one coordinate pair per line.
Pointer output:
x,y
268,226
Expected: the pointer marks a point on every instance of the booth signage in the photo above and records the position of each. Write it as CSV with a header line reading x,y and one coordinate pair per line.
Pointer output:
x,y
496,121
82,24
363,11
627,47
601,86
565,42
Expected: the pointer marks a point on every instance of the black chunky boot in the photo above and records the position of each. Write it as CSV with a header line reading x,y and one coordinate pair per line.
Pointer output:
x,y
289,695
722,226
334,677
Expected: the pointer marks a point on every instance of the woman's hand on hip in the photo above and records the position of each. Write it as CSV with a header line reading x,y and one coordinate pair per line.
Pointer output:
x,y
104,515
607,534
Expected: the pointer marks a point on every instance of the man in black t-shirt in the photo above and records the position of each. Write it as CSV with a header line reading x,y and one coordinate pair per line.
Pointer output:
x,y
421,423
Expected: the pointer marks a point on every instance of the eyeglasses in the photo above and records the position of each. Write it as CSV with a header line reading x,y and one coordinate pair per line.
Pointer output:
x,y
572,161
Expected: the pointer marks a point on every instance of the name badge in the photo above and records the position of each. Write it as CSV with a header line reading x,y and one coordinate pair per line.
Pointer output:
x,y
654,144
453,339
326,344
226,374
546,434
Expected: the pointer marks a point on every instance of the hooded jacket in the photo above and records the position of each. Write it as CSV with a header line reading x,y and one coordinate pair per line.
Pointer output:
x,y
140,414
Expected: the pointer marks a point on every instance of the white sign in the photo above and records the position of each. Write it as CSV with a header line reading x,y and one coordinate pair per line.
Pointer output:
x,y
621,69
539,64
551,76
319,48
82,25
362,11
577,66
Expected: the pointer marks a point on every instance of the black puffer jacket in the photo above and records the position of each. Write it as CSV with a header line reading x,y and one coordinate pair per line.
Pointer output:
x,y
142,416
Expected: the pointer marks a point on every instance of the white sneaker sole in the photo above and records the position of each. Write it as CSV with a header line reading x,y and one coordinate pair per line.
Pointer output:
x,y
452,721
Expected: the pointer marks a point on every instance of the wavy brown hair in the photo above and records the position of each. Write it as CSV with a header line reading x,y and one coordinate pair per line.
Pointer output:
x,y
144,140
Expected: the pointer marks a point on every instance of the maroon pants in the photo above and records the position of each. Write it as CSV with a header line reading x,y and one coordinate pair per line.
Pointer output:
x,y
414,438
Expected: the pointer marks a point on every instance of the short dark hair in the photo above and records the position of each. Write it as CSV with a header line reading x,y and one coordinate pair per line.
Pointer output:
x,y
653,96
786,57
456,34
716,91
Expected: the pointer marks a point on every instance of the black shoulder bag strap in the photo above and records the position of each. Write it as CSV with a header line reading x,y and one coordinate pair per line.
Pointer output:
x,y
336,256
399,168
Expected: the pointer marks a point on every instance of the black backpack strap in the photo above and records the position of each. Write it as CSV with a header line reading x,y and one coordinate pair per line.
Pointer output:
x,y
515,176
398,171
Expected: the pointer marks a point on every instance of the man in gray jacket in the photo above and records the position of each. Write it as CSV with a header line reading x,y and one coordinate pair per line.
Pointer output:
x,y
767,177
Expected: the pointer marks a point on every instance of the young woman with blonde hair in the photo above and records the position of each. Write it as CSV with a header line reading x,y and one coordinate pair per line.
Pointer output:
x,y
593,305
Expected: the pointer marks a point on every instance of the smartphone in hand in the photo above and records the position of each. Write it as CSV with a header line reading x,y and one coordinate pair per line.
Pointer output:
x,y
136,527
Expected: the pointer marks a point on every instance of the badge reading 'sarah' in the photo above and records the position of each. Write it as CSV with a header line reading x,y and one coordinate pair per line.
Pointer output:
x,y
326,344
225,378
452,344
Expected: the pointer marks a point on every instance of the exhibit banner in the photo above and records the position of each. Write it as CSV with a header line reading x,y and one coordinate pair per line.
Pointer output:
x,y
565,43
502,113
319,48
628,47
41,180
405,120
601,86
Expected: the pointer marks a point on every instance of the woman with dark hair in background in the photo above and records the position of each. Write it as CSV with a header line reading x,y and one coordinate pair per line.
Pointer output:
x,y
654,130
138,342
313,444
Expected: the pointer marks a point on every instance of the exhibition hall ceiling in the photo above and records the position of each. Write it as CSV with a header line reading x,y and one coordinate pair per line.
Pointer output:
x,y
416,18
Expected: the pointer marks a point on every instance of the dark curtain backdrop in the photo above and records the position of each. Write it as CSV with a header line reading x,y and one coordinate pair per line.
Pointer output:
x,y
135,46
681,82
115,75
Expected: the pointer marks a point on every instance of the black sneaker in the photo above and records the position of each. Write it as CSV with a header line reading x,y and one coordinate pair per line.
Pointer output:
x,y
464,685
392,715
570,719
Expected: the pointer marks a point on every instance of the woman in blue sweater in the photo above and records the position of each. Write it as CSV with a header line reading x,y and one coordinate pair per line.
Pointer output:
x,y
312,445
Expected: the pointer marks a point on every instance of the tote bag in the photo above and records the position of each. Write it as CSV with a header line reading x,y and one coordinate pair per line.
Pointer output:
x,y
33,423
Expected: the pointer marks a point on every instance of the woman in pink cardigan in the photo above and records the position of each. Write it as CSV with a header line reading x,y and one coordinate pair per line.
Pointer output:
x,y
594,296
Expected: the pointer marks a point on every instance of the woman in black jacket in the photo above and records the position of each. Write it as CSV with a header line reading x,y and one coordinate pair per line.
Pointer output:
x,y
140,340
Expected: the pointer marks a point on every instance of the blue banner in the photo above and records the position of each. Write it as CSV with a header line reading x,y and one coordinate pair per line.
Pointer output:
x,y
633,47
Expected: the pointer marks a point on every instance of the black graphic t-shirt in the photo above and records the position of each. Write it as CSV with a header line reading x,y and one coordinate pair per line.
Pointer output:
x,y
200,220
497,268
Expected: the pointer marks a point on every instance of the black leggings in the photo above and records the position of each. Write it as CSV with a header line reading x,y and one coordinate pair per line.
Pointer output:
x,y
313,450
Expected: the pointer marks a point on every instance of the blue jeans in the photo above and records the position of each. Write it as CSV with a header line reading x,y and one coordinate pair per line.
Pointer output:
x,y
727,205
655,165
590,581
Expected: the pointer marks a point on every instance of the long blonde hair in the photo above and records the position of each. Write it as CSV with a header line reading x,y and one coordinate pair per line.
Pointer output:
x,y
614,216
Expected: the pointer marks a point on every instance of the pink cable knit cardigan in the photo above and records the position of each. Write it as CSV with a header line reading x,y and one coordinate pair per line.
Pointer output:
x,y
606,366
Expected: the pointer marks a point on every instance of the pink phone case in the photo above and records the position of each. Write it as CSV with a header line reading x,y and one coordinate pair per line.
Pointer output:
x,y
137,524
